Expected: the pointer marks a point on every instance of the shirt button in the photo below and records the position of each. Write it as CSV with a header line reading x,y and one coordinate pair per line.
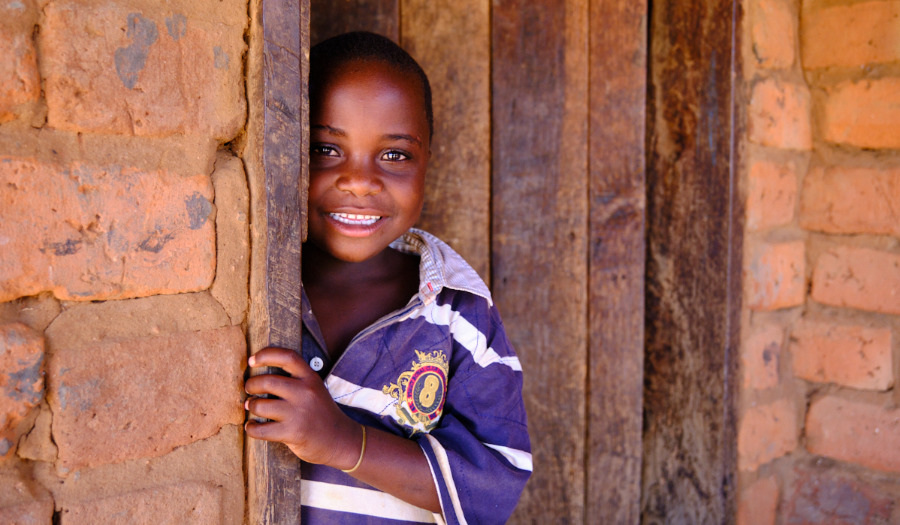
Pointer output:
x,y
316,363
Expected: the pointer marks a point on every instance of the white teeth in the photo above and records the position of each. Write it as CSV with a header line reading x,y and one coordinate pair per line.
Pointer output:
x,y
354,219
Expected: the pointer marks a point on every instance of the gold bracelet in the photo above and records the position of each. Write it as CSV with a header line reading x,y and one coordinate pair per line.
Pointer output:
x,y
361,454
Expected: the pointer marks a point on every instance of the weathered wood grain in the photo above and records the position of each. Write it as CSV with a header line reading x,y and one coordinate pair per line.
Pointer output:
x,y
333,17
694,243
451,41
276,157
618,72
540,209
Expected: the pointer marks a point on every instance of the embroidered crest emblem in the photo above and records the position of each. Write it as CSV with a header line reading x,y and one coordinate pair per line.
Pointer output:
x,y
420,391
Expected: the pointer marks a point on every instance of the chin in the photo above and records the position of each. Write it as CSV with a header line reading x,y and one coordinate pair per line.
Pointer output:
x,y
354,256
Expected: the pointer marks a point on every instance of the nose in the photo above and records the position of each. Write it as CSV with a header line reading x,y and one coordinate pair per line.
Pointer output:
x,y
360,180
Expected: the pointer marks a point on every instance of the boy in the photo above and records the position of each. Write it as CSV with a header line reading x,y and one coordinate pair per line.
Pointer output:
x,y
407,382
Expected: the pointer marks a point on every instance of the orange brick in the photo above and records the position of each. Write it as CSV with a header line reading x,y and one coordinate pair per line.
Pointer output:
x,y
112,69
840,199
23,501
851,35
21,380
28,513
88,323
188,502
864,114
776,276
34,312
758,503
89,232
851,356
19,79
828,496
760,355
232,237
123,399
779,115
14,12
858,278
773,30
772,195
765,433
852,431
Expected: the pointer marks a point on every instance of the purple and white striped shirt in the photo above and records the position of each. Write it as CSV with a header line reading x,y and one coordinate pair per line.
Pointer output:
x,y
441,372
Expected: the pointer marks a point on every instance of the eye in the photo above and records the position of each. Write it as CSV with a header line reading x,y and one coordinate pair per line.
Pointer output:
x,y
394,156
323,150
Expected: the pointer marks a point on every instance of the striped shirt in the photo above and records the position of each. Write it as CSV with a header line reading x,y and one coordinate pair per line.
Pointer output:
x,y
440,372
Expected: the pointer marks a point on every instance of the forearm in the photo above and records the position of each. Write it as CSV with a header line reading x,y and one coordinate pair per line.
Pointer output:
x,y
395,465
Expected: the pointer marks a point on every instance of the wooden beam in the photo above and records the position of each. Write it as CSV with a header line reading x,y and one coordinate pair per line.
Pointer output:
x,y
540,209
276,158
333,17
618,61
458,186
694,263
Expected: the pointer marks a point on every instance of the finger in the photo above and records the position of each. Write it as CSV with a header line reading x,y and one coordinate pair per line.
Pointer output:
x,y
279,386
290,389
288,360
266,431
273,409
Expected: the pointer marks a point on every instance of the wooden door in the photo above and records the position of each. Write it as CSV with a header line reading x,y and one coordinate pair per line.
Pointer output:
x,y
537,178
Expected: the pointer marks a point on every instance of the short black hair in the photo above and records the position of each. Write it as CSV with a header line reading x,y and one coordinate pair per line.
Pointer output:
x,y
328,55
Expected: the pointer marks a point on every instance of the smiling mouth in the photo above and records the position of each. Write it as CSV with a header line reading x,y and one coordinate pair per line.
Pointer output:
x,y
354,219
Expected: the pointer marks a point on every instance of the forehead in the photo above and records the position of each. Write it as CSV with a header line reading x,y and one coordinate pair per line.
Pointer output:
x,y
371,97
372,77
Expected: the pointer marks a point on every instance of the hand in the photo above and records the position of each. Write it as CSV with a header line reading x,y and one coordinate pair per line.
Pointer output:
x,y
305,417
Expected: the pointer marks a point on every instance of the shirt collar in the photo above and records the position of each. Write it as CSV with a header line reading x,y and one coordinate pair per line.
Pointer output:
x,y
440,266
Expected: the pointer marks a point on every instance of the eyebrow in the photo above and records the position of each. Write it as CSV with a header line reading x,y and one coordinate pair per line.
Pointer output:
x,y
330,130
338,132
408,138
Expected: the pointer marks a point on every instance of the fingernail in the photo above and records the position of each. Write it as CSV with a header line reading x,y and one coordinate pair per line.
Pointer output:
x,y
252,360
247,404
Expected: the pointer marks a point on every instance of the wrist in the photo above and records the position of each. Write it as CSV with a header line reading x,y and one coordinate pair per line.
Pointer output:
x,y
362,453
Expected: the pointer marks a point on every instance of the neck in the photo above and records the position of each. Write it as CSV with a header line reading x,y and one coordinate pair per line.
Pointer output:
x,y
321,267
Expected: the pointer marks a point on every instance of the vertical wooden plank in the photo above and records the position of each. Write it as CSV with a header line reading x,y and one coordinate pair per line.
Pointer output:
x,y
539,229
457,190
694,244
618,54
333,17
276,158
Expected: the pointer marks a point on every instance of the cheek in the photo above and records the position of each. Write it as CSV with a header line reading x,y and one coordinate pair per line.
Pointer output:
x,y
317,187
415,197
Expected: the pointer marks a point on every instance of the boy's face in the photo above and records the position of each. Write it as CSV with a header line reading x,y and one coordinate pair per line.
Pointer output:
x,y
369,146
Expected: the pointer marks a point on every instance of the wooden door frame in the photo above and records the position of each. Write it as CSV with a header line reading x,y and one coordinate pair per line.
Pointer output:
x,y
276,160
694,262
679,187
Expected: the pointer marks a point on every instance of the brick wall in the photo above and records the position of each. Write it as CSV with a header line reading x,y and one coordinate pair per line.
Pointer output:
x,y
820,421
124,252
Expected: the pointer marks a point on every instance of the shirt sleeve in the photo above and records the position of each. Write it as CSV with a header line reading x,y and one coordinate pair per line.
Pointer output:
x,y
480,454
